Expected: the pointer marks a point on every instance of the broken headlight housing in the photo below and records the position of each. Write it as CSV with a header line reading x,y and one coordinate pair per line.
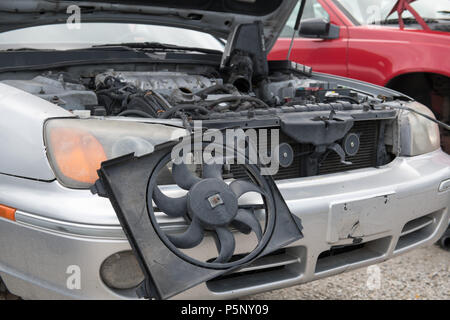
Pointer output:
x,y
418,135
77,147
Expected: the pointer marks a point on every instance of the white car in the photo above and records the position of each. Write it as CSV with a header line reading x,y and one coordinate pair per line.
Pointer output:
x,y
106,190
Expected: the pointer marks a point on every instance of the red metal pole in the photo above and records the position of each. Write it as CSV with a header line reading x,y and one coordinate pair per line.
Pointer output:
x,y
403,5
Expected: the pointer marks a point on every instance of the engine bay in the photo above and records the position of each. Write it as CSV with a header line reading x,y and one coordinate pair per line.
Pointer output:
x,y
176,83
319,119
167,94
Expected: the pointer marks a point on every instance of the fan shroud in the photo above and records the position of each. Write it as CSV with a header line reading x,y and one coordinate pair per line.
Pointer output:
x,y
126,181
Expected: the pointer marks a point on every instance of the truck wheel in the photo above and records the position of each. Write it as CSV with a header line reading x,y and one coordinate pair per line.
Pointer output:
x,y
441,106
444,242
5,294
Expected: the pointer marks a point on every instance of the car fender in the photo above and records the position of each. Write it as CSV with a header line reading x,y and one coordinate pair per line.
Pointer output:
x,y
377,54
21,135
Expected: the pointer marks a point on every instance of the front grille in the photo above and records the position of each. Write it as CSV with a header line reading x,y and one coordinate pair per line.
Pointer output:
x,y
281,265
293,171
365,158
351,254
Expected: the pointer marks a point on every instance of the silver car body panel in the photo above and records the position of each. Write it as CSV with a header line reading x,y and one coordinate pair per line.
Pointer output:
x,y
56,234
22,122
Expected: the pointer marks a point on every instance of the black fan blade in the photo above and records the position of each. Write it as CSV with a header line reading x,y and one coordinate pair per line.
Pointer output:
x,y
174,207
190,238
212,171
227,245
246,222
239,187
183,176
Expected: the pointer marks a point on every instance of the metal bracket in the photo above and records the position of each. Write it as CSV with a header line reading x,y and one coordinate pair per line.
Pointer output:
x,y
340,152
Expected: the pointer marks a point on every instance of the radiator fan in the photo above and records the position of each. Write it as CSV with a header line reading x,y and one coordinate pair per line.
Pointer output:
x,y
210,205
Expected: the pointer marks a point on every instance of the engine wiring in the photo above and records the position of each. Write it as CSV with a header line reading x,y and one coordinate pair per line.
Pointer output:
x,y
342,97
138,113
440,123
238,100
123,99
199,110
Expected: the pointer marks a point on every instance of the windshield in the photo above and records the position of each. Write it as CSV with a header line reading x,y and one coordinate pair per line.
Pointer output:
x,y
377,11
61,37
313,10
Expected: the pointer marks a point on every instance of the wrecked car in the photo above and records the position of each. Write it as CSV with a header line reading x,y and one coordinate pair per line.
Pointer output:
x,y
106,188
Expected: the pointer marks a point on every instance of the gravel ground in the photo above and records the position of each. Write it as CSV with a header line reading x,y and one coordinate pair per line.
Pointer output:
x,y
420,274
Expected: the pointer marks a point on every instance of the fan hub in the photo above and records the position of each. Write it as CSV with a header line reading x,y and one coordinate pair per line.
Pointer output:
x,y
215,200
212,202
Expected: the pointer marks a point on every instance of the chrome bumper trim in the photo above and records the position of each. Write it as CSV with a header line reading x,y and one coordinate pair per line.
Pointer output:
x,y
92,231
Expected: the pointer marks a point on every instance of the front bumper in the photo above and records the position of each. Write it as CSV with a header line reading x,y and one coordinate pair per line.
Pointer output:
x,y
387,211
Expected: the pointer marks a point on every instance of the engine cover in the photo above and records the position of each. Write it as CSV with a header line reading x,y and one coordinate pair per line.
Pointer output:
x,y
176,85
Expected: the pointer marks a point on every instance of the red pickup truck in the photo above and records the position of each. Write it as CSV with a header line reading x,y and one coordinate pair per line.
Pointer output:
x,y
400,44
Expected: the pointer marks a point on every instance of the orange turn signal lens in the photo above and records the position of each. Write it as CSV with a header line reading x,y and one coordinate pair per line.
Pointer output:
x,y
7,212
76,153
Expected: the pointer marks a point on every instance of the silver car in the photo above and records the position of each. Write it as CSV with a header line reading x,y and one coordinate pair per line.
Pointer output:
x,y
154,152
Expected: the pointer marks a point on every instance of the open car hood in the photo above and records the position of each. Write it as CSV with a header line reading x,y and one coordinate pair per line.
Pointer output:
x,y
219,18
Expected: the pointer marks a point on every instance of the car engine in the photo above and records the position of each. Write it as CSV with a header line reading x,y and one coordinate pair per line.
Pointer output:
x,y
164,94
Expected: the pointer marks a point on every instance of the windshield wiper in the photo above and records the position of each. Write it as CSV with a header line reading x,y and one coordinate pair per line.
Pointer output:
x,y
405,20
24,49
157,46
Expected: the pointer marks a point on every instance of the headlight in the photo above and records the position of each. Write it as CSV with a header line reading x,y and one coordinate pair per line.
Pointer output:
x,y
418,135
77,147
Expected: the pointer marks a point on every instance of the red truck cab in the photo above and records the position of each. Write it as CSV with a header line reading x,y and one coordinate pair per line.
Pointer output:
x,y
371,45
